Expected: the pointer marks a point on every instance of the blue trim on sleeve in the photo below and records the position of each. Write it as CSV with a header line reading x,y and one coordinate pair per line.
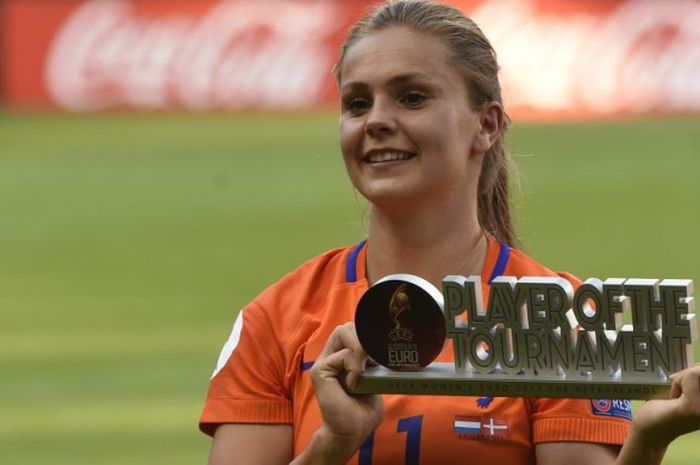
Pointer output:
x,y
351,265
365,453
501,262
306,365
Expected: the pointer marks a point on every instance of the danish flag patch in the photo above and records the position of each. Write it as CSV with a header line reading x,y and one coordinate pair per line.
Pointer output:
x,y
480,427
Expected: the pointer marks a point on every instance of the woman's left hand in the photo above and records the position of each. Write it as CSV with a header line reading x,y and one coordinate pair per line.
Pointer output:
x,y
661,421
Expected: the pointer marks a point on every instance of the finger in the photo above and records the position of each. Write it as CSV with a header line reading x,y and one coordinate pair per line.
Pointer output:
x,y
685,382
354,370
344,336
676,390
341,366
348,338
338,363
690,382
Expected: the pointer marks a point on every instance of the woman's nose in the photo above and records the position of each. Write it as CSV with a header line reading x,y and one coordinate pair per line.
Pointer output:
x,y
381,120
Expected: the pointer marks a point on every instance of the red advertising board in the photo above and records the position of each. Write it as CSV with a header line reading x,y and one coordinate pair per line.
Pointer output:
x,y
563,59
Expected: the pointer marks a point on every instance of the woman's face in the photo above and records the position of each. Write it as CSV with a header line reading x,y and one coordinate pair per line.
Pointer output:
x,y
407,132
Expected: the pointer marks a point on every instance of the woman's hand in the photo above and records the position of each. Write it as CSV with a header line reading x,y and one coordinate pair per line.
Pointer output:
x,y
658,422
662,421
347,419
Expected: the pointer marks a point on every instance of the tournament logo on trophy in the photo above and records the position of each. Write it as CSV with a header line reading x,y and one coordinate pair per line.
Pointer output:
x,y
400,324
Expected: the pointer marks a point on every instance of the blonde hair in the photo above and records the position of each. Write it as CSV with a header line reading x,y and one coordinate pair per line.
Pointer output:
x,y
475,58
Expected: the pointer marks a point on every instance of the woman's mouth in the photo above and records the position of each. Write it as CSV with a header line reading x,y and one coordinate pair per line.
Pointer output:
x,y
387,156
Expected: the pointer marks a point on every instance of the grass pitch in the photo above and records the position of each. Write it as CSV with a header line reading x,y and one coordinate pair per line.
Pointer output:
x,y
128,244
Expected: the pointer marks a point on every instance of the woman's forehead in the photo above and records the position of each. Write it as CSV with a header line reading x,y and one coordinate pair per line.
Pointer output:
x,y
398,51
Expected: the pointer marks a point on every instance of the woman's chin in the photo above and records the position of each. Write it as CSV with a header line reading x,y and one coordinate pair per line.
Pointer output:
x,y
392,197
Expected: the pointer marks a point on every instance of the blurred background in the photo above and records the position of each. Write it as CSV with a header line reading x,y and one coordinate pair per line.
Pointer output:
x,y
161,162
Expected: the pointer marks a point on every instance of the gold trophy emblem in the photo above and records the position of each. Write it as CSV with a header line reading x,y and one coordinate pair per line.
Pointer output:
x,y
399,304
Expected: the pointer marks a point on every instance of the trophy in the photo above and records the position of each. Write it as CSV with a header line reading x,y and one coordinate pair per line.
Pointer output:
x,y
534,337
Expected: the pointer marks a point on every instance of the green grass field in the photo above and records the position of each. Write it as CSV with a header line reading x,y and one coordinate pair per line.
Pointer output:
x,y
128,244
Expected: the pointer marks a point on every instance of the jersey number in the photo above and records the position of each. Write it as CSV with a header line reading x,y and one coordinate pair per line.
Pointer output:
x,y
412,427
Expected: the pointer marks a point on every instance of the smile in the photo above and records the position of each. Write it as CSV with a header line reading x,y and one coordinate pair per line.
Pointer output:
x,y
380,157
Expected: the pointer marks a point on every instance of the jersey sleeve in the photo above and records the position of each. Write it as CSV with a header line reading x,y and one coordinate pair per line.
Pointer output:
x,y
249,384
603,421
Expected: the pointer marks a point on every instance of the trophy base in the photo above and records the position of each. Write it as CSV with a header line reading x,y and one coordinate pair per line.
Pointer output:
x,y
443,380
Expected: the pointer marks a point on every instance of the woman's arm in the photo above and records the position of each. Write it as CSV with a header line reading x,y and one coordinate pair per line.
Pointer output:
x,y
347,419
655,425
575,453
658,422
251,444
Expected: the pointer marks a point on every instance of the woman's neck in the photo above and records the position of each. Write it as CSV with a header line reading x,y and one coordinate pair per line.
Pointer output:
x,y
430,244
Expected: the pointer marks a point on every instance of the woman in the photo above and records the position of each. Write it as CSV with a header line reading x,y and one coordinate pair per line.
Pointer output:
x,y
421,133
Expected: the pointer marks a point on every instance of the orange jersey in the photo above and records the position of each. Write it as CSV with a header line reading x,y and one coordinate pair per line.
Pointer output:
x,y
262,377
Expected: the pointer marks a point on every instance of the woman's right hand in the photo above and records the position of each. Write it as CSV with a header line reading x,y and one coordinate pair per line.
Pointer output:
x,y
347,419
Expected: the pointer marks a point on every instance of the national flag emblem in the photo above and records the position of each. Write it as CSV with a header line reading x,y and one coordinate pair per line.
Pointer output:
x,y
467,425
494,427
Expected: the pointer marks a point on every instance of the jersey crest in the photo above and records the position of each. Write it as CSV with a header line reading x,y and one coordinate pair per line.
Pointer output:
x,y
620,408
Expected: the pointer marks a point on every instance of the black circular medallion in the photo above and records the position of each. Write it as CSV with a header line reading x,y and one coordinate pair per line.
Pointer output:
x,y
400,323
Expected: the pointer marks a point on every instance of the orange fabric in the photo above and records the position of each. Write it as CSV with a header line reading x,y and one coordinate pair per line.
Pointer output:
x,y
286,327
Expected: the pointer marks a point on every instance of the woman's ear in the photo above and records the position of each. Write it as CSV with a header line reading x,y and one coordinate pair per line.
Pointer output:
x,y
491,119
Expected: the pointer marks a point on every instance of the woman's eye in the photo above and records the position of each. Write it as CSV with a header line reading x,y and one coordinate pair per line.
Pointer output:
x,y
414,99
356,105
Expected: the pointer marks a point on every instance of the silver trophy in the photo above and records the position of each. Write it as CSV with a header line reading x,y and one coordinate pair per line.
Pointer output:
x,y
535,337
